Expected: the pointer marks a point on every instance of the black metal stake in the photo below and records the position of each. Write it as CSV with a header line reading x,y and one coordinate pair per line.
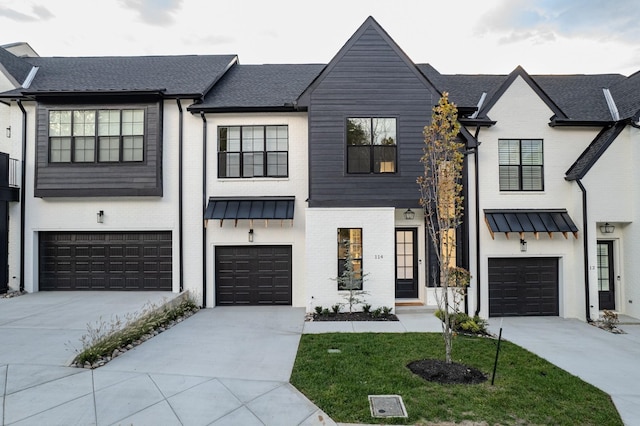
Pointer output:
x,y
495,364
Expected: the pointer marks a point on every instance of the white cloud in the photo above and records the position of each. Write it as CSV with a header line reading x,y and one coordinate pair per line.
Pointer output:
x,y
154,12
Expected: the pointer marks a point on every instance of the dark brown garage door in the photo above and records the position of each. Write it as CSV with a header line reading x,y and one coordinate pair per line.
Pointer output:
x,y
253,275
523,286
105,261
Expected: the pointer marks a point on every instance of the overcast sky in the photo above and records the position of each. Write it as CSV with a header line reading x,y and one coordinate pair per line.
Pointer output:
x,y
464,36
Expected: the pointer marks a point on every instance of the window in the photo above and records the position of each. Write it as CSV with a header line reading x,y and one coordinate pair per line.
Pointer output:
x,y
253,151
371,145
521,164
350,246
73,135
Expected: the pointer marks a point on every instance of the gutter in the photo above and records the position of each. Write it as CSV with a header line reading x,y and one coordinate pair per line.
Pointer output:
x,y
23,180
180,183
587,302
477,219
204,208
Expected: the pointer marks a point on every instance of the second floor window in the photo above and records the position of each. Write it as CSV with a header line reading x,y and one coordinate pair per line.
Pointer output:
x,y
521,164
88,136
371,145
253,151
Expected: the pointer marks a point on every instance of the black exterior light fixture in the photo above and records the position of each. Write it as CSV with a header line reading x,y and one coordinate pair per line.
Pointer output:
x,y
100,216
523,245
409,214
250,235
607,228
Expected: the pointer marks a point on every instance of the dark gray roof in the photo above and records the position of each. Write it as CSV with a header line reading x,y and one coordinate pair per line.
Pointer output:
x,y
18,68
259,86
593,152
626,93
176,75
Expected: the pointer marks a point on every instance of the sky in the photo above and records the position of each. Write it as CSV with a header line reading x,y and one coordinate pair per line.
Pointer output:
x,y
456,37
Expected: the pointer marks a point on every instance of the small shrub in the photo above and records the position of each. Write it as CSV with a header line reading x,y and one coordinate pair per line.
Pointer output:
x,y
376,313
386,311
318,310
335,308
366,308
609,320
463,323
325,312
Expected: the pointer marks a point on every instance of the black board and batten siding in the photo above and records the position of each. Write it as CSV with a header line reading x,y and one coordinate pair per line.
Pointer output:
x,y
100,179
371,77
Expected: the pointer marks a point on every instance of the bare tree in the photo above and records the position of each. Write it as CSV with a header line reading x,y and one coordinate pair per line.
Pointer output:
x,y
441,199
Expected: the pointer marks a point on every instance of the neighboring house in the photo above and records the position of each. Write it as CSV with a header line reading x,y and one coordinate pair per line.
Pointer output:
x,y
249,184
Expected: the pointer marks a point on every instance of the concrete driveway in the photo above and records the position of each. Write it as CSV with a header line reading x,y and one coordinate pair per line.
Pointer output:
x,y
607,361
223,366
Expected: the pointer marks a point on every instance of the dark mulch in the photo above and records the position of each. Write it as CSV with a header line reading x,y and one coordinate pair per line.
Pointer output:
x,y
436,370
354,316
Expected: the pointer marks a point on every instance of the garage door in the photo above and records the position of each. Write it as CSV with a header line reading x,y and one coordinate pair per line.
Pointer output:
x,y
253,275
105,261
523,286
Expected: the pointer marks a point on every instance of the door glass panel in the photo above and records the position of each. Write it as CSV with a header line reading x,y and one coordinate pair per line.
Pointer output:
x,y
603,267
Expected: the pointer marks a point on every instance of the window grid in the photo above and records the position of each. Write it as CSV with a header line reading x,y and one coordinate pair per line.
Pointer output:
x,y
371,145
521,165
119,134
253,151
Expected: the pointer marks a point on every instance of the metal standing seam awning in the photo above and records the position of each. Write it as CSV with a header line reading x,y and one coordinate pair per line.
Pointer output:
x,y
535,220
250,208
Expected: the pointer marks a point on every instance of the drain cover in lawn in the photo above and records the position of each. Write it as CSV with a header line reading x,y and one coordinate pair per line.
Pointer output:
x,y
387,406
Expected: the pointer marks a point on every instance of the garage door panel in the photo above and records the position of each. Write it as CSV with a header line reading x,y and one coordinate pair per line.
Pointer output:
x,y
523,286
253,275
105,261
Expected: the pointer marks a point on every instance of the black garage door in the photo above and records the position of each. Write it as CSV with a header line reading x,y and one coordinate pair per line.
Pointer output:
x,y
523,286
253,275
105,261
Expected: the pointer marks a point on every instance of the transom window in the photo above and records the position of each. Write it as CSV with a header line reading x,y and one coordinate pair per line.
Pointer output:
x,y
521,164
87,136
253,151
371,145
350,244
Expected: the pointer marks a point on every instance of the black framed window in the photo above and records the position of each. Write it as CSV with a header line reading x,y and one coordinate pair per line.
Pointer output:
x,y
89,136
253,151
350,243
521,165
371,145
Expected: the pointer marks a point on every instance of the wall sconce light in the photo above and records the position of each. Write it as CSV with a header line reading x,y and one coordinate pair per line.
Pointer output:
x,y
523,245
409,214
8,132
100,216
607,228
250,235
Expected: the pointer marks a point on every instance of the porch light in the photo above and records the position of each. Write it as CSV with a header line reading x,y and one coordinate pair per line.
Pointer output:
x,y
607,228
9,132
250,235
409,214
523,246
100,216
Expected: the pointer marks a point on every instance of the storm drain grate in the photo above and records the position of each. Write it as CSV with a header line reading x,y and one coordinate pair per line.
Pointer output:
x,y
387,406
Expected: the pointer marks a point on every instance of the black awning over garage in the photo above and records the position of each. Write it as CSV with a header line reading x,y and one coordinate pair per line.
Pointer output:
x,y
535,221
250,208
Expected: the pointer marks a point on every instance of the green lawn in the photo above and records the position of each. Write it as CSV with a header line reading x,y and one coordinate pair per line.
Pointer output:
x,y
528,390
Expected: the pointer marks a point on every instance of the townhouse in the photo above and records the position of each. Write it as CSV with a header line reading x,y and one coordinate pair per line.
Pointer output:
x,y
242,183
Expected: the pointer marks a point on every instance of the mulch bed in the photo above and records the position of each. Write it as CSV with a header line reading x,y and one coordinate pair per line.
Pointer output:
x,y
436,370
353,316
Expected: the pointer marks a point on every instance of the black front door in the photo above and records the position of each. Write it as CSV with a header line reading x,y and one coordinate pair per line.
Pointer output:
x,y
406,264
606,287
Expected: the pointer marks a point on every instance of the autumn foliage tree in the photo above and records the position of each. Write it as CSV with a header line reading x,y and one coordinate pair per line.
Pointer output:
x,y
442,202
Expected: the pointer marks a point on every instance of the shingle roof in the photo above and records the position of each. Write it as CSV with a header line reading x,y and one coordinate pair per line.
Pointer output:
x,y
176,75
259,86
593,152
18,68
626,93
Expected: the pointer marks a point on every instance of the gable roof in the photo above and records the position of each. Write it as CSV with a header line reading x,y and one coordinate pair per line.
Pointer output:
x,y
17,68
187,75
626,94
594,151
259,87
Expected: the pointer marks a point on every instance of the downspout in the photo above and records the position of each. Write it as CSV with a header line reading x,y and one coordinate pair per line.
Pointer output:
x,y
477,206
180,223
23,192
586,250
204,208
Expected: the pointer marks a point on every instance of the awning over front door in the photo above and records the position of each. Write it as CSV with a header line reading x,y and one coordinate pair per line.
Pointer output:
x,y
535,221
250,208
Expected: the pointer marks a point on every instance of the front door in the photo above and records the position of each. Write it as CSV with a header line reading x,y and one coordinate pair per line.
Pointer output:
x,y
606,287
406,264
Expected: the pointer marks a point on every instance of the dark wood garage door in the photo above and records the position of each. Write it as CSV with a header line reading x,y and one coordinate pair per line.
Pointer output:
x,y
105,261
253,275
523,286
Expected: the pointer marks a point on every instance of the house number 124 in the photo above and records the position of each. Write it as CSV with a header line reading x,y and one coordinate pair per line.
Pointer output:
x,y
378,256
